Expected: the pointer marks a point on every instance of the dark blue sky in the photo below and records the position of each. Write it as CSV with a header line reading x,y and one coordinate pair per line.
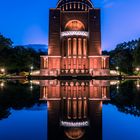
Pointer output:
x,y
26,21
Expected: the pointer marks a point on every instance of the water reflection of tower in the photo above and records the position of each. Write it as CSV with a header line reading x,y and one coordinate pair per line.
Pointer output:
x,y
74,108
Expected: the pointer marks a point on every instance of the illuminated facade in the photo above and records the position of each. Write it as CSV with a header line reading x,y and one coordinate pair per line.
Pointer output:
x,y
74,41
74,108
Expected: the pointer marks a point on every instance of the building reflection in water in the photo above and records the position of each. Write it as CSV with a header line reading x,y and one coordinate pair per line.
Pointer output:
x,y
74,108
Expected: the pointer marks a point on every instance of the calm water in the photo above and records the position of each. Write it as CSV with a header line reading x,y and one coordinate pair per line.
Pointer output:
x,y
84,110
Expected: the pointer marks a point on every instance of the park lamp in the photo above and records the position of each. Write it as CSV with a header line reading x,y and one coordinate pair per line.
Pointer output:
x,y
117,68
117,87
30,70
3,70
137,69
31,85
31,67
2,84
138,85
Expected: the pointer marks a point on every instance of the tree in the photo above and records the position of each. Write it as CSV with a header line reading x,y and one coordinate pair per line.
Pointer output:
x,y
136,55
5,46
18,58
124,56
5,43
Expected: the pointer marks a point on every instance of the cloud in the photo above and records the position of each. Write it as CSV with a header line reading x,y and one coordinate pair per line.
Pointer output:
x,y
107,3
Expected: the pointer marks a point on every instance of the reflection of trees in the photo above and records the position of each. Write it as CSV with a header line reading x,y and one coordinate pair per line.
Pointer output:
x,y
17,96
4,113
126,98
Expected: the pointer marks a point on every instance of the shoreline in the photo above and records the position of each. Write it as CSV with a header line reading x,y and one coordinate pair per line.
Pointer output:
x,y
120,77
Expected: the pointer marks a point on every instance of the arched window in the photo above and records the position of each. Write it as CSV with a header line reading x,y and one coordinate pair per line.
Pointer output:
x,y
74,25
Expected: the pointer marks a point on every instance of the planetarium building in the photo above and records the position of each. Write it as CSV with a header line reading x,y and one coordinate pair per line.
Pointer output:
x,y
74,41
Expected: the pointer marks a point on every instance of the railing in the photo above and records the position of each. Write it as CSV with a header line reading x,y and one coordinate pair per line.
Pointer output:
x,y
74,124
76,33
73,71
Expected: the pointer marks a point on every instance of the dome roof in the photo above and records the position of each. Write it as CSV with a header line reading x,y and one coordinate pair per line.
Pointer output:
x,y
74,5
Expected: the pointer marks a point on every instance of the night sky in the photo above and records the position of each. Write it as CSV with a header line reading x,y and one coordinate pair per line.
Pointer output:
x,y
26,21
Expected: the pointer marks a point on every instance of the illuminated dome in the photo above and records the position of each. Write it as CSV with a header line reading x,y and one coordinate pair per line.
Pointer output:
x,y
74,25
74,5
74,133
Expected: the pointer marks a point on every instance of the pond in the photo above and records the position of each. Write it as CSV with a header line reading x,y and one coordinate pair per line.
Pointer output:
x,y
84,110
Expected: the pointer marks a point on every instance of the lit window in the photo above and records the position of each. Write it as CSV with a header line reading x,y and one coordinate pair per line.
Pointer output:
x,y
75,25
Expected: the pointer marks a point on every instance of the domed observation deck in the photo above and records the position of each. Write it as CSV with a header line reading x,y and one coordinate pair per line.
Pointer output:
x,y
74,5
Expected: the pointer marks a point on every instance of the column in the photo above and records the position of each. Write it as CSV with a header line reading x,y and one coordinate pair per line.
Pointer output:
x,y
79,46
65,47
84,47
42,62
62,47
85,108
104,92
80,108
74,105
104,59
69,108
74,46
44,65
69,46
103,63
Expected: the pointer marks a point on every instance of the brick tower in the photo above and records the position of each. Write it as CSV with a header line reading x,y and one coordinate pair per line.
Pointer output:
x,y
74,41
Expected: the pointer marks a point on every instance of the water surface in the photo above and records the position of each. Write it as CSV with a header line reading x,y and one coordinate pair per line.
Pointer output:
x,y
50,110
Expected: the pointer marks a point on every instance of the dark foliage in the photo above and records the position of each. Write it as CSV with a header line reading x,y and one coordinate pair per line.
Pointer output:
x,y
19,58
126,56
18,96
126,98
